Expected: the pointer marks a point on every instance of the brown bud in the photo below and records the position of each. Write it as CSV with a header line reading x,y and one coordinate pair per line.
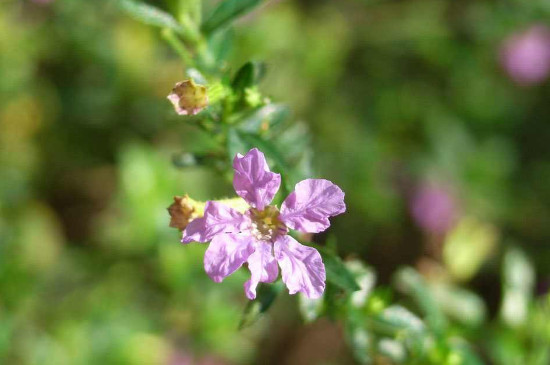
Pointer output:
x,y
182,211
188,98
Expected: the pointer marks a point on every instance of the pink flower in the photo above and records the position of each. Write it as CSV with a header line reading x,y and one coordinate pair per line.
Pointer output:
x,y
526,56
434,208
260,235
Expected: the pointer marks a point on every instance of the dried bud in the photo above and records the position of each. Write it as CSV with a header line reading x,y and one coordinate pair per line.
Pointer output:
x,y
188,98
183,211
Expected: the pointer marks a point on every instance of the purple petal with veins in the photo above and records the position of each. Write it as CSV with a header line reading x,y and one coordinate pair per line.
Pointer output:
x,y
253,181
218,218
225,254
302,268
262,266
313,201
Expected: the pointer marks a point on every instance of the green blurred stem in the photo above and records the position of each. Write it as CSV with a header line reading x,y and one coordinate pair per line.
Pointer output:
x,y
190,30
178,46
190,9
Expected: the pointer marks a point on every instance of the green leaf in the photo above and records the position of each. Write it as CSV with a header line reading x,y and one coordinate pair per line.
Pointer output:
x,y
268,148
272,114
227,11
468,246
337,272
379,298
295,138
150,15
395,319
392,349
235,144
460,304
196,75
310,309
462,353
365,278
247,76
399,322
184,160
241,142
505,348
409,281
334,302
266,295
518,282
358,339
220,45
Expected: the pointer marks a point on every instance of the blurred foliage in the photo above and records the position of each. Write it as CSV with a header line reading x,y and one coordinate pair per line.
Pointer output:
x,y
384,97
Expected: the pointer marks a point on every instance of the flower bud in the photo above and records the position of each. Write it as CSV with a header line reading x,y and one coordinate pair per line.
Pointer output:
x,y
434,208
188,98
526,55
183,211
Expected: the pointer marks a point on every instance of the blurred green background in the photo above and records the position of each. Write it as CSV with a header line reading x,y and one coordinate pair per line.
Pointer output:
x,y
443,152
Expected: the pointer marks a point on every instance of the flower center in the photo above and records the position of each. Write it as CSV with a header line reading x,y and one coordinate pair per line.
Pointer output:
x,y
265,223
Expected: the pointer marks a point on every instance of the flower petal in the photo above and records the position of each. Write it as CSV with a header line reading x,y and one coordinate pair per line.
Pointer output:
x,y
262,266
302,268
225,254
195,231
308,207
253,180
218,218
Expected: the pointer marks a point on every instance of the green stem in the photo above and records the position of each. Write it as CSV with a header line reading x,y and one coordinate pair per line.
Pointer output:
x,y
177,45
191,8
190,30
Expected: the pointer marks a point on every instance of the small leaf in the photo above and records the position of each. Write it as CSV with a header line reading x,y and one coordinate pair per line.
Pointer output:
x,y
266,295
241,142
310,309
409,281
294,139
150,15
265,117
462,353
518,281
359,340
468,246
220,45
392,349
505,347
247,76
460,304
269,149
244,77
337,272
184,160
196,76
227,11
397,318
365,278
379,298
304,165
235,144
334,302
399,322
